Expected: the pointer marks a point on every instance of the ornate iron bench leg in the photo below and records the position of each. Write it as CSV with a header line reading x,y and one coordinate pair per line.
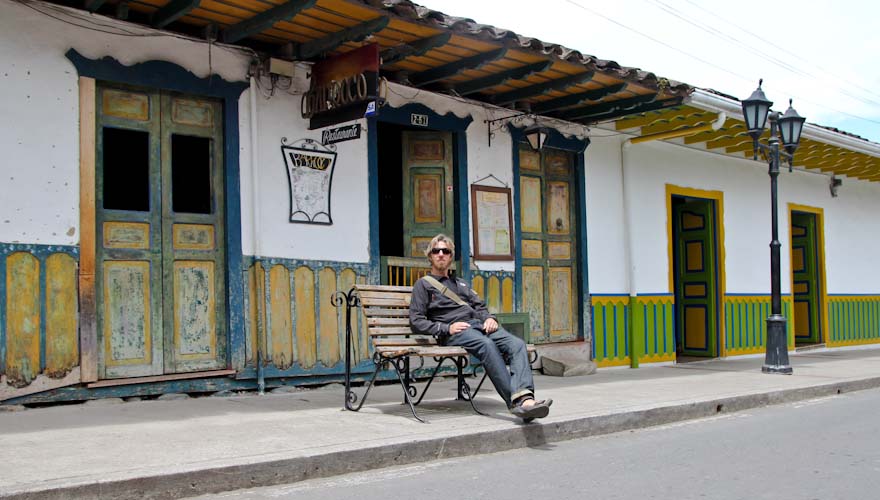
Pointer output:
x,y
431,378
399,365
351,397
464,390
480,385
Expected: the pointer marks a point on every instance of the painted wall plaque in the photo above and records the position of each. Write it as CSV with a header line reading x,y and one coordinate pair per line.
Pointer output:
x,y
493,229
310,178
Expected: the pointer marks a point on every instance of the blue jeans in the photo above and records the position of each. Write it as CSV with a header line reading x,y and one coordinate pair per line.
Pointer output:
x,y
492,349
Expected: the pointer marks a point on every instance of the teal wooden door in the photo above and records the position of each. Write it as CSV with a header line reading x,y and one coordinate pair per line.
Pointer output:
x,y
548,244
193,254
805,278
160,259
695,280
128,233
428,195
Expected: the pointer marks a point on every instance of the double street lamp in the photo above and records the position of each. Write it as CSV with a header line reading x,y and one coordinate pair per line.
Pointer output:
x,y
756,111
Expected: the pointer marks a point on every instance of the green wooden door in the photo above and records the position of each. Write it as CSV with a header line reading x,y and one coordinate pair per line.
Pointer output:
x,y
161,281
428,195
695,285
805,281
549,244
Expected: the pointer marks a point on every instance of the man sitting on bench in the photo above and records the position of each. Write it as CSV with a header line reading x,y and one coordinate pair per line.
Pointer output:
x,y
445,307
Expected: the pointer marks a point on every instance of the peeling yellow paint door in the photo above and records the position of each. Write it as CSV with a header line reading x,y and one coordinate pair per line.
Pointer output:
x,y
160,257
549,244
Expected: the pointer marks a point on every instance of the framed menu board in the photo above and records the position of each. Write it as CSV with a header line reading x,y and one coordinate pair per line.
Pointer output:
x,y
493,223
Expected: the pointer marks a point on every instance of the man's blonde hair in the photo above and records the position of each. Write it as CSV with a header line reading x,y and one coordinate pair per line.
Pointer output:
x,y
437,239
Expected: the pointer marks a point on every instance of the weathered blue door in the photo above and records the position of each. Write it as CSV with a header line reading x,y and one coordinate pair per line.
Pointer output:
x,y
160,259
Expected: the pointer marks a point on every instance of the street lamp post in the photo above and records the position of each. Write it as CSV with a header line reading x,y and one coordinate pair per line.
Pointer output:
x,y
756,111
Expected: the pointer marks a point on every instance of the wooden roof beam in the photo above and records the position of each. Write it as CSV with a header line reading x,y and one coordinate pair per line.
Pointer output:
x,y
414,48
575,99
728,130
657,117
639,121
746,145
265,20
871,178
679,122
172,11
639,108
356,33
445,71
859,171
817,161
729,140
539,89
587,112
496,79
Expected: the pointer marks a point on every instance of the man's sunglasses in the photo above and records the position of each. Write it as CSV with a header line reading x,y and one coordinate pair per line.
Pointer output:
x,y
444,251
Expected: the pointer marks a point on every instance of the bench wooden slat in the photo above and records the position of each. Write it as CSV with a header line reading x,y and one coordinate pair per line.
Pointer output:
x,y
418,341
378,331
421,351
388,321
383,288
382,311
383,295
402,301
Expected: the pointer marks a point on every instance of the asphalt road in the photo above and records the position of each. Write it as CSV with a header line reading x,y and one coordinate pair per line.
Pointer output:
x,y
820,449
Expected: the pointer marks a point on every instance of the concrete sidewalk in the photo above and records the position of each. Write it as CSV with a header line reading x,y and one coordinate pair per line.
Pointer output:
x,y
172,449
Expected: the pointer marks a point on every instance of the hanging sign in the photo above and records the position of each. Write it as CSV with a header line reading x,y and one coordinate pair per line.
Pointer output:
x,y
309,177
339,134
342,87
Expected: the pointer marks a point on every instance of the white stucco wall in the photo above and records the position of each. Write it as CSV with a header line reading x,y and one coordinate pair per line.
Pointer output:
x,y
39,109
851,229
271,234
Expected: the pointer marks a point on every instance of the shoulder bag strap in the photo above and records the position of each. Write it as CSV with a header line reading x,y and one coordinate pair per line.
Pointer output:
x,y
445,290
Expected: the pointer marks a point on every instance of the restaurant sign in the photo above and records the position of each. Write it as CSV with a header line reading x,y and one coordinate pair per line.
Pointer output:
x,y
342,87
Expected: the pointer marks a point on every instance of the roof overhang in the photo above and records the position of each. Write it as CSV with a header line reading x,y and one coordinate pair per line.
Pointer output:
x,y
419,47
821,149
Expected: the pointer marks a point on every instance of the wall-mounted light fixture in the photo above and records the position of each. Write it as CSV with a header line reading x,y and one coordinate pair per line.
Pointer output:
x,y
834,185
536,135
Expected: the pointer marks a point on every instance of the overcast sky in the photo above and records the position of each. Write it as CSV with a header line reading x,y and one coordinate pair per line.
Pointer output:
x,y
823,54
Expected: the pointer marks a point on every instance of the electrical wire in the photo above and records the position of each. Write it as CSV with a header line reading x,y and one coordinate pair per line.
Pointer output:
x,y
703,26
92,22
782,49
708,63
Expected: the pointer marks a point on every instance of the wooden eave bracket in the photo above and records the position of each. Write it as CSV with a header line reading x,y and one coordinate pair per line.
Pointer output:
x,y
415,48
313,48
265,20
445,71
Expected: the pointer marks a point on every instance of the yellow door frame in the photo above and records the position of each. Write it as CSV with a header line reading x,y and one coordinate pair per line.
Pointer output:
x,y
718,198
820,258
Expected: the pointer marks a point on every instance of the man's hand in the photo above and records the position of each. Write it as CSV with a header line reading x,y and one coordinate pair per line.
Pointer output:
x,y
458,327
490,325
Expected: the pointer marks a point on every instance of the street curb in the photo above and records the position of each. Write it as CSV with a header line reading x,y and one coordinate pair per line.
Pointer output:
x,y
291,470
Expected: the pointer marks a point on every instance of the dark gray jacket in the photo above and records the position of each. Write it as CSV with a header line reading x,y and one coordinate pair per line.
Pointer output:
x,y
431,313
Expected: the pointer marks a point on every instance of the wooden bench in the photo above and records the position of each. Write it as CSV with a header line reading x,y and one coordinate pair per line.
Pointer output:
x,y
386,311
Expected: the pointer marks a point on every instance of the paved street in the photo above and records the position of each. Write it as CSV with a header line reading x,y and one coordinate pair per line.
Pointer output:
x,y
826,448
208,445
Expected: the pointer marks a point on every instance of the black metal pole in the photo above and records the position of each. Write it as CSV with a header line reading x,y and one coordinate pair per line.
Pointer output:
x,y
776,356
